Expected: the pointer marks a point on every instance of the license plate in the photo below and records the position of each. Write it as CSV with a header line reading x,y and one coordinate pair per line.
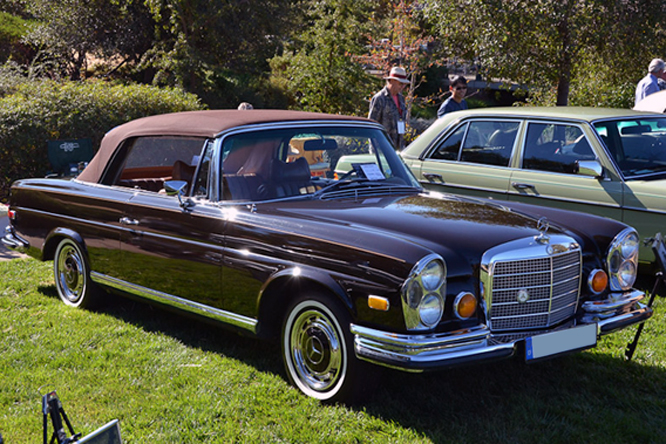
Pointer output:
x,y
558,342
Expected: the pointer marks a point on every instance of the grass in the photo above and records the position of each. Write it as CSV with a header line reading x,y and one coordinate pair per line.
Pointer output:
x,y
170,380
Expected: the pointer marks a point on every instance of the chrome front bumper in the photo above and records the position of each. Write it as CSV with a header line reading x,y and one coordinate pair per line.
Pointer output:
x,y
419,352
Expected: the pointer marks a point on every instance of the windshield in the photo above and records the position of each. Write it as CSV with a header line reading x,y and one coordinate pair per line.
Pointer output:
x,y
305,161
637,145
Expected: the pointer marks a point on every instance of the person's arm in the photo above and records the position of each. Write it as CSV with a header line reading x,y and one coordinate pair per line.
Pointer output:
x,y
375,110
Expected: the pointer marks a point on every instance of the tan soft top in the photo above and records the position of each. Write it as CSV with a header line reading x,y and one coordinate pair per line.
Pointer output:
x,y
192,124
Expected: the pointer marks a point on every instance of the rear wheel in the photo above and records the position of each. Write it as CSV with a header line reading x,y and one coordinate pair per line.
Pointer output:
x,y
72,275
317,350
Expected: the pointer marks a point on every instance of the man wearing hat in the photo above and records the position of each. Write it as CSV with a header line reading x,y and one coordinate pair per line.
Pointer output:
x,y
388,106
650,83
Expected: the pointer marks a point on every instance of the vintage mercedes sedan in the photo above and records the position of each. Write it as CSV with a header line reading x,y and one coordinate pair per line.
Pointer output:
x,y
243,217
609,162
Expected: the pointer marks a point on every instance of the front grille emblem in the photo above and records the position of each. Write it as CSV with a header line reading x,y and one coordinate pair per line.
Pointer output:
x,y
523,296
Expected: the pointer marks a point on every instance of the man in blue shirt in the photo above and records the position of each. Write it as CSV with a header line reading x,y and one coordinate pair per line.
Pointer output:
x,y
456,102
650,83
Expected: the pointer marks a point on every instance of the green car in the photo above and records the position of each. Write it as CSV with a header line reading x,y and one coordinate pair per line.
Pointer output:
x,y
610,162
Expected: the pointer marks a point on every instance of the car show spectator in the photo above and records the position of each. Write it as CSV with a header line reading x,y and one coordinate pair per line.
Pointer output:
x,y
245,105
458,90
388,106
650,83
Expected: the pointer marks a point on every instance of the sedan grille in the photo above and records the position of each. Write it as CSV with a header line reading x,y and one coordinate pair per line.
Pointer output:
x,y
535,292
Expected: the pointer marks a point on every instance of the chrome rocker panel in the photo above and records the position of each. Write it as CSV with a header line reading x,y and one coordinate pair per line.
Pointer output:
x,y
420,352
169,300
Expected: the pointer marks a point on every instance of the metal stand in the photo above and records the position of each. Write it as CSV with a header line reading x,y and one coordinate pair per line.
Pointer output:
x,y
52,406
657,244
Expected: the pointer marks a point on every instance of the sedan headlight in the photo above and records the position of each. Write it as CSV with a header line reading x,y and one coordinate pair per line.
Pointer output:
x,y
622,260
423,293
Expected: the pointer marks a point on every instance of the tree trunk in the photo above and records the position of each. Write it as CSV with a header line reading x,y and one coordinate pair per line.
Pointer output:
x,y
563,90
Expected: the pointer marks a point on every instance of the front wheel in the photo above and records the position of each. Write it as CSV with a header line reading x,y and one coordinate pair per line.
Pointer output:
x,y
317,350
72,275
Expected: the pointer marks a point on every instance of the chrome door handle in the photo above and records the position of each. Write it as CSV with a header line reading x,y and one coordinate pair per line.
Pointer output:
x,y
128,221
432,177
522,186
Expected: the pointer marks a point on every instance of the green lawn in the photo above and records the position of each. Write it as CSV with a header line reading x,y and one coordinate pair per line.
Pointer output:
x,y
171,380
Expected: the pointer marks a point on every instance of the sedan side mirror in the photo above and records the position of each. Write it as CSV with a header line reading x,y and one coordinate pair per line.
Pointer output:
x,y
590,168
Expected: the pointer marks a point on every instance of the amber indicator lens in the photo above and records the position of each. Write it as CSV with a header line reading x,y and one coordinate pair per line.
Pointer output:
x,y
466,305
378,303
598,281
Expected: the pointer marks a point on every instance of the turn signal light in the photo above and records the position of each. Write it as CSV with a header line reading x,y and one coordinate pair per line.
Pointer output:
x,y
378,303
465,305
598,281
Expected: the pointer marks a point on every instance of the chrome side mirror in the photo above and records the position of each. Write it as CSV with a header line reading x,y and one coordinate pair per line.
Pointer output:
x,y
590,168
177,188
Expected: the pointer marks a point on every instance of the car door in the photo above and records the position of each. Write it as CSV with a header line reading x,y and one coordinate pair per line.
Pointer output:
x,y
473,159
172,247
549,176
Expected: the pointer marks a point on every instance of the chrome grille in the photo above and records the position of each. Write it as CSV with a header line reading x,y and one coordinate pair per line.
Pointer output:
x,y
552,282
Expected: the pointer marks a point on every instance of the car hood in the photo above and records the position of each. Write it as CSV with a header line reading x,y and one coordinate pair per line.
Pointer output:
x,y
459,229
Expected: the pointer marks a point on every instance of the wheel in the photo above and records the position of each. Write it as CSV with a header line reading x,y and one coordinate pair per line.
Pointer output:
x,y
317,350
72,275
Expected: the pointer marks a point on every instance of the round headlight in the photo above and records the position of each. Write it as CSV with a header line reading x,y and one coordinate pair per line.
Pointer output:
x,y
630,246
622,260
626,275
432,276
414,294
423,293
431,309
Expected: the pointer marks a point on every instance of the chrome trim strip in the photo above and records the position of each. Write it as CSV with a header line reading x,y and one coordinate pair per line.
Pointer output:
x,y
217,314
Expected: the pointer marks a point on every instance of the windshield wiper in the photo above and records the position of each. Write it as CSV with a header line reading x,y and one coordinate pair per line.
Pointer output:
x,y
342,185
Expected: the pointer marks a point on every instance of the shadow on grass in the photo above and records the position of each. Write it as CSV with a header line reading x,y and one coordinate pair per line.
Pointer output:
x,y
586,397
191,330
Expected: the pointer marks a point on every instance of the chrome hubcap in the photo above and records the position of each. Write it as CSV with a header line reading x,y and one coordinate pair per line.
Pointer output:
x,y
316,350
70,273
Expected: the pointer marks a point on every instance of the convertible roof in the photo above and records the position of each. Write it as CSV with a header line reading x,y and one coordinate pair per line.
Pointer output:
x,y
192,124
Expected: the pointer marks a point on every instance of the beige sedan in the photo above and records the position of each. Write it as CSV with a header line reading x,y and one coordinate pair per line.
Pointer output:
x,y
609,162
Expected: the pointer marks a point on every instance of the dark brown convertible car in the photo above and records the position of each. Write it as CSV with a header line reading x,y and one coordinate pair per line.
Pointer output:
x,y
254,219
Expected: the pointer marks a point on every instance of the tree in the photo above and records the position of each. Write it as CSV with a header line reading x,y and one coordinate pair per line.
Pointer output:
x,y
317,68
213,48
71,32
403,43
542,43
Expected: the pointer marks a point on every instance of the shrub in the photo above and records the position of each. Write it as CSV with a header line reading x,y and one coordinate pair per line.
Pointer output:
x,y
39,111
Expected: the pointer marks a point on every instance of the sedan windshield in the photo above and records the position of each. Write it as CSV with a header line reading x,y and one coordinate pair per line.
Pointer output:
x,y
309,161
637,145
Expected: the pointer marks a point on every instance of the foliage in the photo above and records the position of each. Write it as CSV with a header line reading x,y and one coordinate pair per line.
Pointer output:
x,y
214,48
170,380
317,69
39,111
593,84
72,33
407,46
12,29
540,43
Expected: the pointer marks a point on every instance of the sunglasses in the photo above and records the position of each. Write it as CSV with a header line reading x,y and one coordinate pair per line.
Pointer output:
x,y
460,87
